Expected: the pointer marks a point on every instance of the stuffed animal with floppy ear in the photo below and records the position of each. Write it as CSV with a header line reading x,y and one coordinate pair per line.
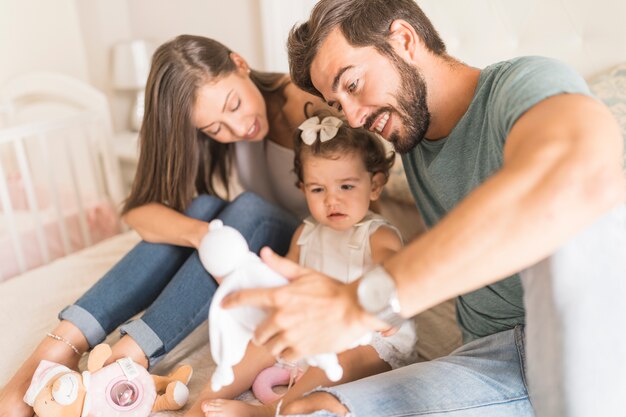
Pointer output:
x,y
224,253
121,388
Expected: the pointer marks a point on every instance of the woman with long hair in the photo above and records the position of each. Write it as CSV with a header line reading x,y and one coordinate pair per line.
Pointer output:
x,y
208,117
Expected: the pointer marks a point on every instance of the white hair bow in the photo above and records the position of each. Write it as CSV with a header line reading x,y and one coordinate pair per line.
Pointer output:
x,y
327,129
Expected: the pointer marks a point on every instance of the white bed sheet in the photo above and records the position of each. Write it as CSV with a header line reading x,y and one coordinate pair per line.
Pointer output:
x,y
31,301
29,305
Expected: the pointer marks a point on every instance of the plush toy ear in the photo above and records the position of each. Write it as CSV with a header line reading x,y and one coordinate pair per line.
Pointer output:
x,y
98,357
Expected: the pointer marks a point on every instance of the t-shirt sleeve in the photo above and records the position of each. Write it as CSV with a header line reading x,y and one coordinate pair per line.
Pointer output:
x,y
526,82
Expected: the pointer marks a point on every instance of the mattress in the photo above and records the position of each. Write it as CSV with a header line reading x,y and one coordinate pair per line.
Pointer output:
x,y
31,301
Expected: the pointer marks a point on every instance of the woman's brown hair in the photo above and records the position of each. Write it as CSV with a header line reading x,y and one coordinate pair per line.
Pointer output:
x,y
176,160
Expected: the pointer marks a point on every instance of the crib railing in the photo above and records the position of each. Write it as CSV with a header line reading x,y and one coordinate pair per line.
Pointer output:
x,y
56,170
17,137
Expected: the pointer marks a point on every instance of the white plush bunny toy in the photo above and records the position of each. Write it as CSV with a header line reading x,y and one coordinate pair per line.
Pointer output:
x,y
224,253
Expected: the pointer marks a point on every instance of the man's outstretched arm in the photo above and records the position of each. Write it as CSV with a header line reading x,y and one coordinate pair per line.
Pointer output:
x,y
563,168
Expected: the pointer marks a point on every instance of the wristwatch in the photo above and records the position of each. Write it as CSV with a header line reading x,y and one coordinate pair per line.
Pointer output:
x,y
376,293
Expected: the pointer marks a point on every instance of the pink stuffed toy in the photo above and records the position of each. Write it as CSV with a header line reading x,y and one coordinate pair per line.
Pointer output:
x,y
119,389
269,378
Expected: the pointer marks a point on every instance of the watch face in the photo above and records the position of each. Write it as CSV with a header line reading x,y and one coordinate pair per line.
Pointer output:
x,y
375,291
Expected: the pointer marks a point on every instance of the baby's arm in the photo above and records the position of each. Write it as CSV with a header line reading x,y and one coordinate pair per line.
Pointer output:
x,y
384,243
294,248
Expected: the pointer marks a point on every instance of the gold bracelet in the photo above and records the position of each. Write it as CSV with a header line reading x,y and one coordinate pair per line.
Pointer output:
x,y
67,342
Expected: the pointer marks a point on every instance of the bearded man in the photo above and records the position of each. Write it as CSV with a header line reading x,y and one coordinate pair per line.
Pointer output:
x,y
518,173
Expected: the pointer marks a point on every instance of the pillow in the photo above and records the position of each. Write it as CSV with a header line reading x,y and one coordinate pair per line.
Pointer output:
x,y
397,187
610,87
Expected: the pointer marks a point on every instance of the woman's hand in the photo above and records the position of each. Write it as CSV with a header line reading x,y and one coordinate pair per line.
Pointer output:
x,y
156,223
312,314
195,235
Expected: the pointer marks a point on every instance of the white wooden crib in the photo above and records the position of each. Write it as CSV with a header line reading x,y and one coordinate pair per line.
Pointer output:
x,y
59,183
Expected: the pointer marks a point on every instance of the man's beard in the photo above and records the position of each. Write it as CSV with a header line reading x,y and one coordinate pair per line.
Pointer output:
x,y
412,109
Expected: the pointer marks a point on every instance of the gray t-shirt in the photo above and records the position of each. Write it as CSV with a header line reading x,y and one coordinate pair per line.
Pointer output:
x,y
441,173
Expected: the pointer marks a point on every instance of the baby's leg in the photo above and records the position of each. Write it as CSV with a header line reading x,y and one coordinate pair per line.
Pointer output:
x,y
254,361
357,363
11,396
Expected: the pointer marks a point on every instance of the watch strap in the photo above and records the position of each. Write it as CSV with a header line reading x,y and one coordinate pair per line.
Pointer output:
x,y
391,315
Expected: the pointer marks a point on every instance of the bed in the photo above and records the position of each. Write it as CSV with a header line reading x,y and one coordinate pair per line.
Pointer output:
x,y
589,36
30,303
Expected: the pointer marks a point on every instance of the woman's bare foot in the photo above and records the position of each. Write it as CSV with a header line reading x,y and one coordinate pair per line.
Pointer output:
x,y
234,408
12,394
11,402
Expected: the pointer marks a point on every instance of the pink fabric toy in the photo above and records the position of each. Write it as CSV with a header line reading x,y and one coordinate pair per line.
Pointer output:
x,y
119,389
268,378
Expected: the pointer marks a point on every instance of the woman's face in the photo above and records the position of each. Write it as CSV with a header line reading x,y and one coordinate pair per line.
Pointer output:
x,y
231,109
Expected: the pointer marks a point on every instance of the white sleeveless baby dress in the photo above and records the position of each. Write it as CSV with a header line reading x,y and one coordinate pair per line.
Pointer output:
x,y
345,256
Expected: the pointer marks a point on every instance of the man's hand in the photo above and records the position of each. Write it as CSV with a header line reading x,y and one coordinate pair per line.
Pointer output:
x,y
312,314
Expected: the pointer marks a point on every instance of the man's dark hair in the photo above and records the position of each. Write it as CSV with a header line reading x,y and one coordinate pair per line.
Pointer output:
x,y
363,23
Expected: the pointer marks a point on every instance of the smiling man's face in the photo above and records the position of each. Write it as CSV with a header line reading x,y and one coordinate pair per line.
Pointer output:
x,y
384,95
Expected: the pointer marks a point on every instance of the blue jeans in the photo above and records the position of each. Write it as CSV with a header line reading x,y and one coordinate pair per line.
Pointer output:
x,y
169,282
485,377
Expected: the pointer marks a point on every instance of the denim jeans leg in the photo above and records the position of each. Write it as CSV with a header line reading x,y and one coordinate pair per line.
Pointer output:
x,y
482,378
178,310
575,313
134,282
261,223
184,303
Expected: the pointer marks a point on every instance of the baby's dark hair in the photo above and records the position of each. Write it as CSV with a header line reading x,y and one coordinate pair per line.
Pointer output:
x,y
348,140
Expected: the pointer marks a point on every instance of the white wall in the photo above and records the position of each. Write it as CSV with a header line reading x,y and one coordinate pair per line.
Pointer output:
x,y
75,37
277,19
106,22
40,35
236,23
589,35
103,24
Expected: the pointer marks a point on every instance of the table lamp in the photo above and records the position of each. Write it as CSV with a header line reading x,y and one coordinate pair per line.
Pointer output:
x,y
131,65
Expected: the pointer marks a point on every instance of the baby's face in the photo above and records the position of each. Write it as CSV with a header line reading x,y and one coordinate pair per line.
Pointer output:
x,y
62,396
338,190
